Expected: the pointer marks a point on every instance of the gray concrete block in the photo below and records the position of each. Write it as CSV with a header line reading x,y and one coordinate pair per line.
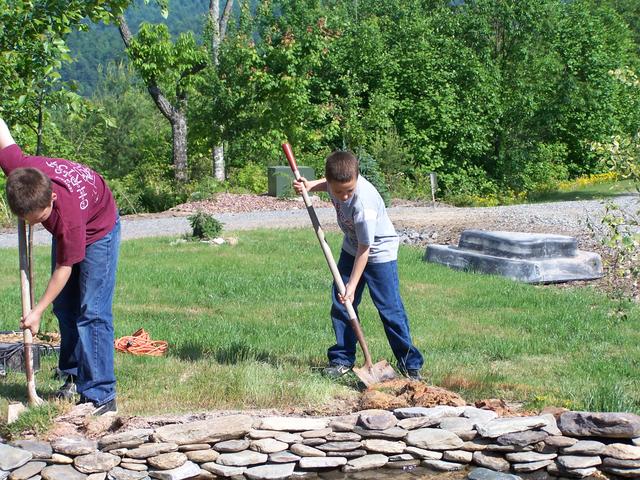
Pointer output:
x,y
530,258
518,245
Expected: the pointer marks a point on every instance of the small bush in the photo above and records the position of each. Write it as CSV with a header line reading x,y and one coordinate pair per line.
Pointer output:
x,y
370,170
204,226
127,195
251,177
205,188
416,186
159,195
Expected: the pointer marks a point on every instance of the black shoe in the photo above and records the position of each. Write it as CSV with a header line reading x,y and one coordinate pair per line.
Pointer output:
x,y
106,409
336,370
68,390
412,374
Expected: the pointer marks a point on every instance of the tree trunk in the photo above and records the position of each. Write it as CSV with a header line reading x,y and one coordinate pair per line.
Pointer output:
x,y
218,163
179,130
219,28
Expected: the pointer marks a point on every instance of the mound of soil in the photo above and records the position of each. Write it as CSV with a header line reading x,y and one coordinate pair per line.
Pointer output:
x,y
400,393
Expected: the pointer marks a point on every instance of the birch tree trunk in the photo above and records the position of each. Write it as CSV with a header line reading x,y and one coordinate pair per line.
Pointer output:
x,y
219,27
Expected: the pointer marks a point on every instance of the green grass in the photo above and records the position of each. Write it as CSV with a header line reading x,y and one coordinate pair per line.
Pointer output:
x,y
595,191
248,327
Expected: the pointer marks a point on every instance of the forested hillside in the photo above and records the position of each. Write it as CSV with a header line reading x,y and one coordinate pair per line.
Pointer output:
x,y
102,44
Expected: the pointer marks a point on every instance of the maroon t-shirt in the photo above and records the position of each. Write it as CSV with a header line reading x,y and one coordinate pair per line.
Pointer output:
x,y
84,210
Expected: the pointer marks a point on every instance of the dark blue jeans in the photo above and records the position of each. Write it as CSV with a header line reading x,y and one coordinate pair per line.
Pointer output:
x,y
383,283
84,312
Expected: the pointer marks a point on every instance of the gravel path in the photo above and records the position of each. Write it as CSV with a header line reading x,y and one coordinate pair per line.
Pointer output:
x,y
416,224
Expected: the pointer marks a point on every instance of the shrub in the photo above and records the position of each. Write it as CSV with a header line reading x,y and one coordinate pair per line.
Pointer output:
x,y
159,194
251,177
416,186
205,188
370,170
127,195
205,226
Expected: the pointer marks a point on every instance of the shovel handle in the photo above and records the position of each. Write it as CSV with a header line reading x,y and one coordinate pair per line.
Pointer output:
x,y
291,159
27,298
337,278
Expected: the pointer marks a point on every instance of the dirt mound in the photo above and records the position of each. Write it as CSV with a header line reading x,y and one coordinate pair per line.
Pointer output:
x,y
401,393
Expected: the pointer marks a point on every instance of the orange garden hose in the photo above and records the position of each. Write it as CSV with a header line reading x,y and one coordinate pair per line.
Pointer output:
x,y
140,343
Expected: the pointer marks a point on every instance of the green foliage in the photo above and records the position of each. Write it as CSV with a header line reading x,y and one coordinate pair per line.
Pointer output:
x,y
205,226
500,99
161,61
121,135
369,169
127,195
159,194
619,228
6,217
205,188
251,177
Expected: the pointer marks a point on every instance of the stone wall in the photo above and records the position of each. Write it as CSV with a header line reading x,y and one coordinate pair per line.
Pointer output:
x,y
443,438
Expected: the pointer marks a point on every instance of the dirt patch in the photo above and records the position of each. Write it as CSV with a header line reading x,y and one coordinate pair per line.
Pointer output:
x,y
50,338
242,203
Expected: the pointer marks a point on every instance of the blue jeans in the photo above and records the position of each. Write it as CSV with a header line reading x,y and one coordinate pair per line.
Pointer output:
x,y
84,312
383,283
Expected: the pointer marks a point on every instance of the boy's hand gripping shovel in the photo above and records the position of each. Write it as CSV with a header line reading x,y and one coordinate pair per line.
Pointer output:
x,y
369,373
26,280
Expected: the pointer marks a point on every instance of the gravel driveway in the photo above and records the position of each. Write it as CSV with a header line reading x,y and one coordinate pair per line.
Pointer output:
x,y
416,224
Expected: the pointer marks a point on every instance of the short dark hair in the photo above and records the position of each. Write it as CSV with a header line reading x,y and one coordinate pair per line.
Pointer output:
x,y
341,166
28,190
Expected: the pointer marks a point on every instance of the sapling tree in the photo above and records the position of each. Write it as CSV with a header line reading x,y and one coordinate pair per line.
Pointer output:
x,y
168,69
619,229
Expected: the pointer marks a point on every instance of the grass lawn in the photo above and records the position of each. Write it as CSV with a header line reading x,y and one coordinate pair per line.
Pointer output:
x,y
248,327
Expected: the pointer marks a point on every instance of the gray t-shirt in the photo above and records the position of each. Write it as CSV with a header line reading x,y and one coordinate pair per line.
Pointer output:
x,y
363,219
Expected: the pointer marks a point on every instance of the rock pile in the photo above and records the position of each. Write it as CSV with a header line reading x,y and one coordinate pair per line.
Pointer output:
x,y
442,438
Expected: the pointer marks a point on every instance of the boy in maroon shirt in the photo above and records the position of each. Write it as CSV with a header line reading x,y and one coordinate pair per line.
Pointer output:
x,y
75,205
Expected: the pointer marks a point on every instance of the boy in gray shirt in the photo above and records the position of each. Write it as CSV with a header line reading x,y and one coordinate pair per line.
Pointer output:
x,y
369,256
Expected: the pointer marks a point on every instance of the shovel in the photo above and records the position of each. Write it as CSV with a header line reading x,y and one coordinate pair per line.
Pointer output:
x,y
26,280
369,373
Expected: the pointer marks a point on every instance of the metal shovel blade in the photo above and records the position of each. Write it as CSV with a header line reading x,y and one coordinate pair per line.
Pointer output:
x,y
379,372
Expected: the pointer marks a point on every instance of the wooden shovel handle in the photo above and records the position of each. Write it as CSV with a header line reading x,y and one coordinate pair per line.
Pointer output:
x,y
337,278
26,297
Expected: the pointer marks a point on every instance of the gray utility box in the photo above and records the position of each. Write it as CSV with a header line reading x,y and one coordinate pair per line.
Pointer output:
x,y
281,177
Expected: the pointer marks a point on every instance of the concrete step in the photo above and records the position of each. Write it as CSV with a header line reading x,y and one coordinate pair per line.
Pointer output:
x,y
518,244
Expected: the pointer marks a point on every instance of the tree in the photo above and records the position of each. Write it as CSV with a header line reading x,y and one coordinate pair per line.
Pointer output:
x,y
168,70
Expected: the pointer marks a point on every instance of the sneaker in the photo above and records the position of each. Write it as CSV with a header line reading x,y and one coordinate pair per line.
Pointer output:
x,y
106,409
68,390
412,374
336,370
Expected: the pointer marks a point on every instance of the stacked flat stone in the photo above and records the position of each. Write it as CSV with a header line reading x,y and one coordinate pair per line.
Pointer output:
x,y
441,438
